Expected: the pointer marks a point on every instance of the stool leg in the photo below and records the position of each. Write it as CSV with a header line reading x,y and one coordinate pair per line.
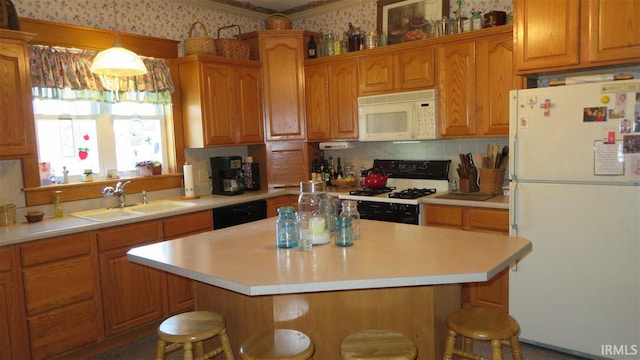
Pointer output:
x,y
449,345
188,352
467,344
515,348
226,345
496,350
199,349
160,350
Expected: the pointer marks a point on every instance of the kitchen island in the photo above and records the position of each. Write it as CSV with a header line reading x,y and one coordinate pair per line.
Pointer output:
x,y
396,276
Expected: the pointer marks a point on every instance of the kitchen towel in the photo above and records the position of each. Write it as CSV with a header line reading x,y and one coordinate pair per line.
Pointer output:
x,y
187,170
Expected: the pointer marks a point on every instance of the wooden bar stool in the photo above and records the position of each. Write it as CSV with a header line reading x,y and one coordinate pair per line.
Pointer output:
x,y
378,344
482,324
184,330
280,344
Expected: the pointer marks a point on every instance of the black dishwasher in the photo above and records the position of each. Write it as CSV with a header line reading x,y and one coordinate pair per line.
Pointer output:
x,y
239,214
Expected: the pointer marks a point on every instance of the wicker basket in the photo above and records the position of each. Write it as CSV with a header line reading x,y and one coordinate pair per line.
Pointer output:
x,y
199,45
232,48
491,181
277,21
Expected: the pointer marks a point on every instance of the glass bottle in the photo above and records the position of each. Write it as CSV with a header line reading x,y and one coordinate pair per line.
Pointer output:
x,y
312,48
344,231
286,230
312,224
350,209
58,205
329,45
476,20
329,211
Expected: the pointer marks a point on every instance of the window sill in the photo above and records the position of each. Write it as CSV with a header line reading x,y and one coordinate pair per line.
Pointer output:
x,y
90,190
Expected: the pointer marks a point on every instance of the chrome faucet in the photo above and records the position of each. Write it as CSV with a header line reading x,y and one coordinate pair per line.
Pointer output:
x,y
117,191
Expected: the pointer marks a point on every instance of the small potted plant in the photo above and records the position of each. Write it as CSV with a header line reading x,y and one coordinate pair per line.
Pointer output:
x,y
148,168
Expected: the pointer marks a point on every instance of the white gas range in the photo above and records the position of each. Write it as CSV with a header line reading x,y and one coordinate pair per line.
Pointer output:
x,y
410,181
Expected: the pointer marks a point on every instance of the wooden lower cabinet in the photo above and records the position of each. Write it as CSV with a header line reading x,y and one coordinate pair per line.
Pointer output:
x,y
13,332
285,200
61,294
495,292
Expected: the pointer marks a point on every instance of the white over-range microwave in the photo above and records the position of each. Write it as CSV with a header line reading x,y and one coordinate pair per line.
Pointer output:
x,y
402,116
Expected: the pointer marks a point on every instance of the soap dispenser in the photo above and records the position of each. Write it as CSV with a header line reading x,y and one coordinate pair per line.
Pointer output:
x,y
58,205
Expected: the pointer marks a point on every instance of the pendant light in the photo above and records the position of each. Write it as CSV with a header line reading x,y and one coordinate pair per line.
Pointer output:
x,y
117,61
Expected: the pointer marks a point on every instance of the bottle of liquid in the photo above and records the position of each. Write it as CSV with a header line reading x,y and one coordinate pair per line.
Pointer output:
x,y
314,167
332,168
339,174
476,20
286,231
350,209
58,205
312,48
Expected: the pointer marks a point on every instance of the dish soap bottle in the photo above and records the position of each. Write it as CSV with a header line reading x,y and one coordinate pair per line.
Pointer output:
x,y
58,205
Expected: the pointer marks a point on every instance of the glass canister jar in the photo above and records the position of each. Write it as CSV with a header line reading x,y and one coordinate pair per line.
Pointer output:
x,y
344,231
286,230
350,209
329,45
312,223
476,20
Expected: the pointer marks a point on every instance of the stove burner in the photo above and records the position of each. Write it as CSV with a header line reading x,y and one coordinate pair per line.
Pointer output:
x,y
371,191
412,193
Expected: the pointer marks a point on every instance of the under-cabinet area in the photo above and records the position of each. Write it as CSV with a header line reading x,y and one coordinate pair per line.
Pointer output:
x,y
72,295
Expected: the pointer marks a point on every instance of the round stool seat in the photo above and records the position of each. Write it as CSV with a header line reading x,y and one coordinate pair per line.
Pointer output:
x,y
191,326
378,344
482,324
278,344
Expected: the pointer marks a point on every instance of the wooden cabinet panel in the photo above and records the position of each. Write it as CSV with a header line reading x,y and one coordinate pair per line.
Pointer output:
x,y
495,292
416,68
289,163
55,249
376,74
544,38
249,115
343,95
180,225
457,88
13,332
285,200
16,113
133,295
610,30
317,102
218,104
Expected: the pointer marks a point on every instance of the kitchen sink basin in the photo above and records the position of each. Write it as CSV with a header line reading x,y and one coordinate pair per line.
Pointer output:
x,y
132,211
106,214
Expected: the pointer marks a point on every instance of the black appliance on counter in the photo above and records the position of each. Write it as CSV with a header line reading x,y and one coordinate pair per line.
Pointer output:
x,y
251,176
226,175
243,213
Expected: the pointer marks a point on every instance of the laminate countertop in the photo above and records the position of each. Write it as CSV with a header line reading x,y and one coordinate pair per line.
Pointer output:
x,y
245,259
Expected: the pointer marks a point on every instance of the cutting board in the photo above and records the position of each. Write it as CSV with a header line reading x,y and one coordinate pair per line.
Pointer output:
x,y
465,196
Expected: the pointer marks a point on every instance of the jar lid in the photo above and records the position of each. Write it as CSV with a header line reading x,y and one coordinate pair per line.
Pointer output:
x,y
312,186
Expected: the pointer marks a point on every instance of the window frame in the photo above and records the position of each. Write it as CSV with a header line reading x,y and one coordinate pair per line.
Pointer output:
x,y
55,34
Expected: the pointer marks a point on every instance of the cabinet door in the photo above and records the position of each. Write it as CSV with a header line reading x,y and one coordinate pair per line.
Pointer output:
x,y
218,105
376,74
343,100
443,216
547,34
317,102
250,124
274,203
132,294
494,79
16,114
288,163
283,79
416,68
610,30
456,89
13,334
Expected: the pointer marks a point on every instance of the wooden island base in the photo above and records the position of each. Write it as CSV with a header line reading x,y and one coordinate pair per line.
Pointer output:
x,y
328,317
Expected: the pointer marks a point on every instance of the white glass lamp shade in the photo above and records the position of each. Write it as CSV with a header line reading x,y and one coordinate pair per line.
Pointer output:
x,y
118,61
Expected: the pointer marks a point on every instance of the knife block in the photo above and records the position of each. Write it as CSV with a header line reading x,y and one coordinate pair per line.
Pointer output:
x,y
467,186
491,181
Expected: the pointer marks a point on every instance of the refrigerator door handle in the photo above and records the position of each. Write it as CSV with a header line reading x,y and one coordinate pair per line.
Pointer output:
x,y
513,221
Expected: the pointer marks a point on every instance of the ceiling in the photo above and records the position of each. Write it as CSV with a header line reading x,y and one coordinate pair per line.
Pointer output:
x,y
267,7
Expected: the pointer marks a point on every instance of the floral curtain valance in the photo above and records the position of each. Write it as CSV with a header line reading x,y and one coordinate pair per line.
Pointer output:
x,y
55,71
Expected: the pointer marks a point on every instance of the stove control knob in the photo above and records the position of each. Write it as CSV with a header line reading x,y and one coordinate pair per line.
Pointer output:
x,y
393,207
402,208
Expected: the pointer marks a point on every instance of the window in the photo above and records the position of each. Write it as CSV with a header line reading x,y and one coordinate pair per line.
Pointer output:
x,y
80,135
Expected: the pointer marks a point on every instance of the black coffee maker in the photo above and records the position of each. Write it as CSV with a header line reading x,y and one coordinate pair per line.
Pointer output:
x,y
226,175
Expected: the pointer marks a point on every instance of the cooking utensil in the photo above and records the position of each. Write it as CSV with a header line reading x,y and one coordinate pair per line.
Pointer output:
x,y
376,179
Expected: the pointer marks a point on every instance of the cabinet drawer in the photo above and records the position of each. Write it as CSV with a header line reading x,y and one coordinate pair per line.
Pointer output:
x,y
129,235
439,215
187,224
487,220
63,330
58,284
55,249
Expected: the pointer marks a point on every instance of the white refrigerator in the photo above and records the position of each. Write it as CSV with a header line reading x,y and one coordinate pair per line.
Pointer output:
x,y
575,194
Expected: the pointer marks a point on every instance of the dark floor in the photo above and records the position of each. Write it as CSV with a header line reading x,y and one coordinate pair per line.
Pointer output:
x,y
144,349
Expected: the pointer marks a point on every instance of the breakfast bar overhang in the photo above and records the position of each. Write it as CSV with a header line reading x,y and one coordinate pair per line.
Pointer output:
x,y
396,276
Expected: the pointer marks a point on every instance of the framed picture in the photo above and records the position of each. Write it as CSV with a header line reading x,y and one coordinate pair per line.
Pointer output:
x,y
407,20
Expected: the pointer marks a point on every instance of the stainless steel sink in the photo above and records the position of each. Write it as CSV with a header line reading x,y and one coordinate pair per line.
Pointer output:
x,y
153,207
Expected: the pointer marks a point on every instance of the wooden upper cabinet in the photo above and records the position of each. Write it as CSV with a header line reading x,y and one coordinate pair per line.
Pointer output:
x,y
457,88
575,34
610,31
16,112
221,101
376,74
416,68
343,99
317,102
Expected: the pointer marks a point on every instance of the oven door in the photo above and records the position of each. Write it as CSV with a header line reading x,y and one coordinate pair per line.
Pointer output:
x,y
390,212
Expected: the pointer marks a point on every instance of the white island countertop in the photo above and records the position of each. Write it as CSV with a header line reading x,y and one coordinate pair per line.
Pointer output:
x,y
245,259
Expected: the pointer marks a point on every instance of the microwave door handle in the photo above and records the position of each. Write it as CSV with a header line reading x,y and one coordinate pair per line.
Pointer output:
x,y
413,121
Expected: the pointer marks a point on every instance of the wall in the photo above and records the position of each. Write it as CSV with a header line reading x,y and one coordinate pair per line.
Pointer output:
x,y
165,19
